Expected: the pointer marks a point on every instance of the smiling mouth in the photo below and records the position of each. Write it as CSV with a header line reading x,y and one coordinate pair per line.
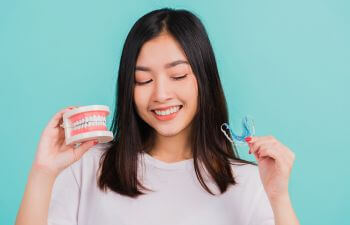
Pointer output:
x,y
166,117
154,110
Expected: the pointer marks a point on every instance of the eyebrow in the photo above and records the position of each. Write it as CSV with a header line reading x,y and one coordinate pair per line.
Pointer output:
x,y
168,65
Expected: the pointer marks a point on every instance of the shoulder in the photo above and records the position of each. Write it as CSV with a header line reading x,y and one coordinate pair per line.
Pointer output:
x,y
247,175
87,166
255,203
244,169
92,156
95,151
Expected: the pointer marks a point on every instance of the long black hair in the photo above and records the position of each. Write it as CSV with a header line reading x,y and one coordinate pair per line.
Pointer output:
x,y
119,163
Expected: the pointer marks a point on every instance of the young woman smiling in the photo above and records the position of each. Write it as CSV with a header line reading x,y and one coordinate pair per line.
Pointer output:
x,y
169,162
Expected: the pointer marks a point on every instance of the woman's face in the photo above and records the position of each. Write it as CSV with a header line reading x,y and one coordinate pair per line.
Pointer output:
x,y
168,83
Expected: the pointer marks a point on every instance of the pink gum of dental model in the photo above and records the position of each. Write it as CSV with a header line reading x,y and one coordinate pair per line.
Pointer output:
x,y
87,123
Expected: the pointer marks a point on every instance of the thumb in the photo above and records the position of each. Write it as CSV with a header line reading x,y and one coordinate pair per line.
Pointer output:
x,y
80,151
71,155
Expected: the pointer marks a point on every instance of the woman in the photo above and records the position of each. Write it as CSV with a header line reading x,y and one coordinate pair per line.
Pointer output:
x,y
169,162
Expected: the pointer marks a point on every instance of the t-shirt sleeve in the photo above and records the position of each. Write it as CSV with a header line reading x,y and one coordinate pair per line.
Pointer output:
x,y
64,202
262,212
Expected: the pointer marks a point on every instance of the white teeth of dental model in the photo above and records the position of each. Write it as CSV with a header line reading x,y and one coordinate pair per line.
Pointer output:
x,y
168,111
89,121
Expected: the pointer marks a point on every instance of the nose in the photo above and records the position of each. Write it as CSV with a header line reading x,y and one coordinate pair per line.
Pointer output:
x,y
162,91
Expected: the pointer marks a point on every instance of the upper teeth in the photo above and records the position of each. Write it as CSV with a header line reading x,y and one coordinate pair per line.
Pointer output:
x,y
168,111
89,121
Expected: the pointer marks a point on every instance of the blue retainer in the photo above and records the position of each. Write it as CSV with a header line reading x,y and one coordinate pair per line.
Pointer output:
x,y
248,130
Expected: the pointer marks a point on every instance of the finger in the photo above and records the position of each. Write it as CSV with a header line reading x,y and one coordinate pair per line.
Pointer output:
x,y
263,153
280,161
257,142
66,147
254,145
267,145
279,148
254,139
275,154
258,148
54,122
79,152
288,155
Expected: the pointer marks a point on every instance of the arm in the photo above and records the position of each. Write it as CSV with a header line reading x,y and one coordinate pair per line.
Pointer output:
x,y
36,199
275,162
52,157
283,211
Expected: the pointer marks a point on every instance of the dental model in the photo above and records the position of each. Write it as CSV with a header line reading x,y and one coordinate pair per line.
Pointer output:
x,y
86,123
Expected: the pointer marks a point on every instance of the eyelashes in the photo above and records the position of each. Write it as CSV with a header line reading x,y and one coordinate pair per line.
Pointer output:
x,y
181,77
175,78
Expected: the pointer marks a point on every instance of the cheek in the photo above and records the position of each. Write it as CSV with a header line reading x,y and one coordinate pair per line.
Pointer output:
x,y
140,98
190,92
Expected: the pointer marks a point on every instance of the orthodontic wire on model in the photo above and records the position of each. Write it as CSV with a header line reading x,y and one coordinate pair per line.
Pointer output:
x,y
248,131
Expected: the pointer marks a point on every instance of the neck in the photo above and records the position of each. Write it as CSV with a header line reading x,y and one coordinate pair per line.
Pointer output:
x,y
173,148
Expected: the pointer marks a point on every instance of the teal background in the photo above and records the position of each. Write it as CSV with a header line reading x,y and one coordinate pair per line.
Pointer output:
x,y
286,63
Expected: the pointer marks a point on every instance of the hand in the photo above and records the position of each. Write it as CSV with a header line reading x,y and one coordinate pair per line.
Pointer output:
x,y
275,163
53,155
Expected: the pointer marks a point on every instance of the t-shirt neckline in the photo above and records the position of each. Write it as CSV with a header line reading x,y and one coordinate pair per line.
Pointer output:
x,y
180,165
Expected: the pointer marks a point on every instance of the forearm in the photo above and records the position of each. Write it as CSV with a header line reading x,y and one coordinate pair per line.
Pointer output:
x,y
283,211
36,199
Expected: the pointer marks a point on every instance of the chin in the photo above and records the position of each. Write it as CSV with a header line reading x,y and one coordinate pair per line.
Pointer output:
x,y
166,132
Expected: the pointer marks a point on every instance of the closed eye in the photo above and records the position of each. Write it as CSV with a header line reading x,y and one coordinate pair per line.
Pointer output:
x,y
175,78
179,78
142,83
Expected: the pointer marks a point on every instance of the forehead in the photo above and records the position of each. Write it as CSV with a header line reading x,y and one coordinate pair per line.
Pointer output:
x,y
158,52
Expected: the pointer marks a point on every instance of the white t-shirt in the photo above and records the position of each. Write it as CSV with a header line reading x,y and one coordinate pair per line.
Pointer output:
x,y
178,197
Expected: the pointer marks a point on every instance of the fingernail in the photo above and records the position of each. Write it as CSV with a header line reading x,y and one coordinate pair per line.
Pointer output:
x,y
247,139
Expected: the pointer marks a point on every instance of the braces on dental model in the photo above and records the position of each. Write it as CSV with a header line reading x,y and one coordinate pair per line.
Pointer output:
x,y
248,131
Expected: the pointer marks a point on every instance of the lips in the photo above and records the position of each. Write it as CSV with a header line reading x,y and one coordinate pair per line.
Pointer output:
x,y
166,117
165,108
